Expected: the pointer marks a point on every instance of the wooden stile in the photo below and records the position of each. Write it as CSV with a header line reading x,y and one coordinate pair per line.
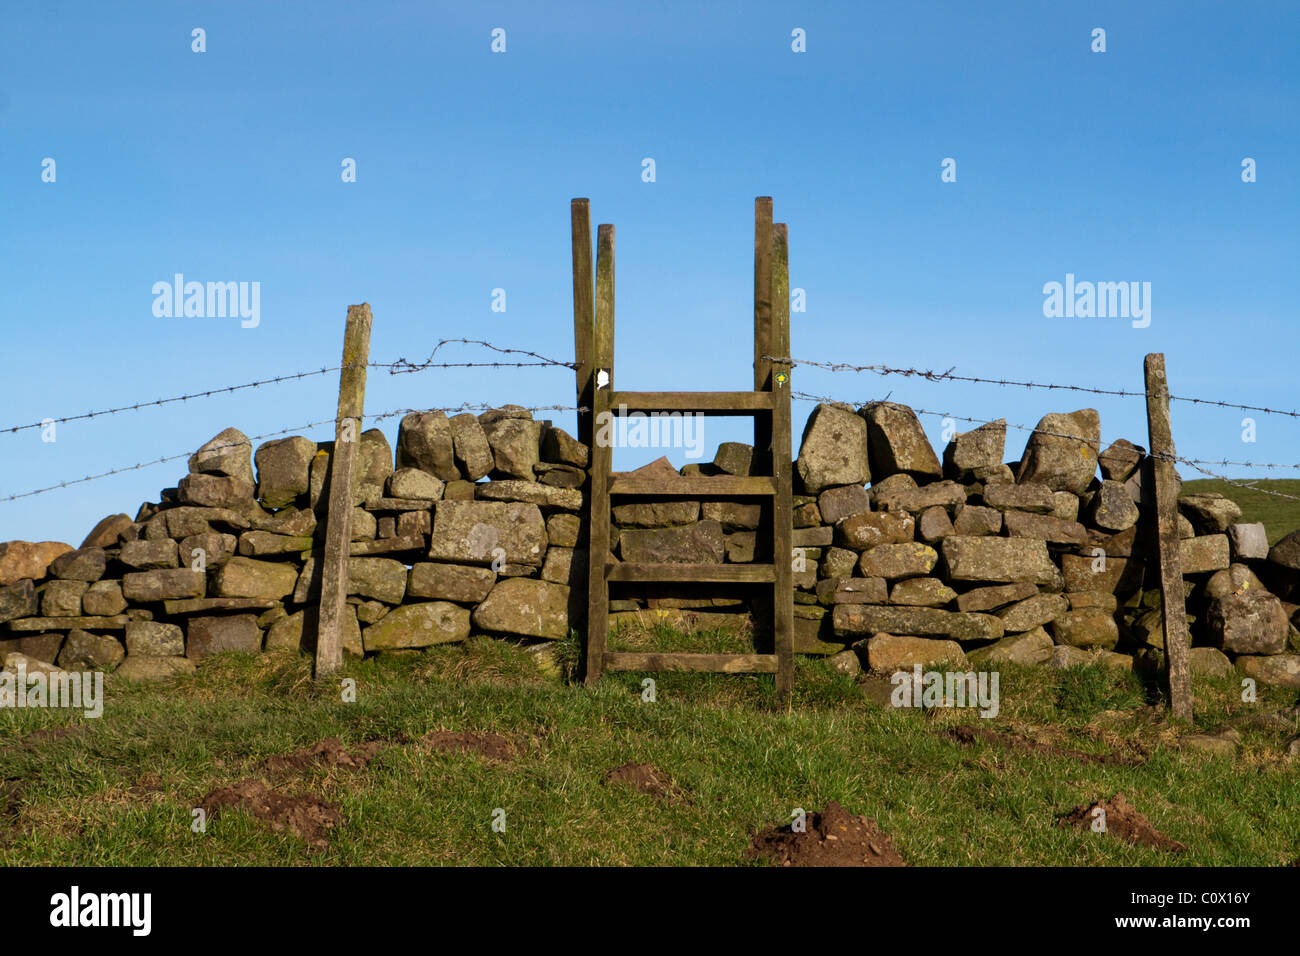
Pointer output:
x,y
601,456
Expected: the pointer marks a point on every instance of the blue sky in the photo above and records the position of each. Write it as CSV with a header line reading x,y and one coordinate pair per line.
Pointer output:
x,y
225,166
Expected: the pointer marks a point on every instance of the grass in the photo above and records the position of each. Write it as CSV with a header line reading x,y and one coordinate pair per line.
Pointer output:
x,y
1279,515
119,790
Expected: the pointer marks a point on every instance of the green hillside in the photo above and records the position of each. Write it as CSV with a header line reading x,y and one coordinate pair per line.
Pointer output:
x,y
1280,515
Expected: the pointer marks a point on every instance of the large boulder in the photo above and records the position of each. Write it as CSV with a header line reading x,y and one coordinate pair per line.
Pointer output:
x,y
18,600
1120,459
383,579
105,534
284,470
450,582
887,653
154,639
979,450
228,453
525,607
896,441
470,448
417,625
84,564
469,532
28,559
1286,553
834,449
1250,621
1205,553
999,560
232,632
424,441
215,491
1112,508
1279,670
836,504
1209,513
1062,451
249,578
515,440
1249,541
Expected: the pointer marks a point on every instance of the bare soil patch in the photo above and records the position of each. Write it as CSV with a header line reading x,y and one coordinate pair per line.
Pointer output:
x,y
967,734
1122,820
833,837
308,818
329,752
491,746
645,778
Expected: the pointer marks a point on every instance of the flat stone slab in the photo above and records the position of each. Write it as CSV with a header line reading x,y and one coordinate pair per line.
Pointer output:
x,y
117,622
408,542
199,605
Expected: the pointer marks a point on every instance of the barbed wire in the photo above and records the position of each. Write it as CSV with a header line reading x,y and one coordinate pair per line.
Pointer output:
x,y
931,375
1239,464
403,366
1194,463
283,431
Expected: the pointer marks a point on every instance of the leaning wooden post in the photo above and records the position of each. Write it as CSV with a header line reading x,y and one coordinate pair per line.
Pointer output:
x,y
762,329
343,462
601,457
783,592
1173,600
583,312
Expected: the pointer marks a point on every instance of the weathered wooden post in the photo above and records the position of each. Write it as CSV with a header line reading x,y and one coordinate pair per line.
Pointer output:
x,y
343,463
1173,600
583,312
602,359
783,504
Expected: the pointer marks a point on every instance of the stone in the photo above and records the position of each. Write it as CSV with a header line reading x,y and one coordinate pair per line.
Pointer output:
x,y
563,530
846,662
942,494
934,525
1209,662
739,547
1185,529
732,515
1062,451
1090,627
700,543
150,555
383,579
887,653
1207,553
1104,600
561,448
1033,498
1112,508
976,450
890,486
102,599
1023,524
1286,553
106,533
514,443
262,543
1066,506
424,441
999,560
1278,670
836,504
975,520
412,483
186,521
153,668
657,514
995,596
458,491
146,586
83,651
228,453
27,559
734,458
806,516
818,537
364,527
408,524
250,578
922,592
833,450
287,634
1248,622
893,561
854,619
468,532
527,608
1216,745
563,565
19,600
62,598
1033,612
15,660
1236,577
212,548
1101,573
284,470
215,491
154,639
1031,647
206,636
1120,459
852,591
418,625
896,441
1209,513
868,529
837,563
470,448
1249,542
559,476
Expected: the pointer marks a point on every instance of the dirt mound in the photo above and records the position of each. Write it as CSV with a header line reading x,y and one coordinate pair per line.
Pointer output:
x,y
967,734
1123,821
330,752
308,818
833,837
492,746
645,778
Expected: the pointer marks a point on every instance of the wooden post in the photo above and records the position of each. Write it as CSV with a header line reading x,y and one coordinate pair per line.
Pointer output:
x,y
343,462
601,456
762,329
782,509
1172,594
583,311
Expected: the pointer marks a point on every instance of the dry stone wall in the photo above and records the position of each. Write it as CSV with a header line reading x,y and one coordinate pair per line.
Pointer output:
x,y
475,524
